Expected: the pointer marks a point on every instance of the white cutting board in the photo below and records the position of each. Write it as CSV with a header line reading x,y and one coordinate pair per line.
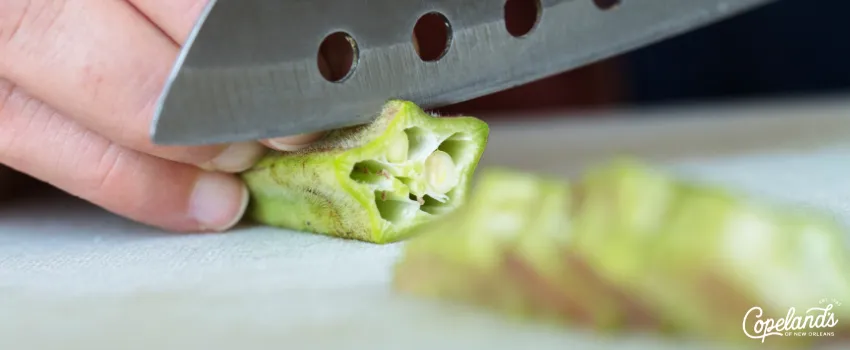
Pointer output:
x,y
75,277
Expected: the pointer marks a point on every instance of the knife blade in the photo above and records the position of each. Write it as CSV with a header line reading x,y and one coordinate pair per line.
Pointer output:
x,y
249,68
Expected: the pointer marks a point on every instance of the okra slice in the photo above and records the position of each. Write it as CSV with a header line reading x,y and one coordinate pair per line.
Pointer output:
x,y
702,256
676,255
515,240
727,253
622,211
471,255
374,182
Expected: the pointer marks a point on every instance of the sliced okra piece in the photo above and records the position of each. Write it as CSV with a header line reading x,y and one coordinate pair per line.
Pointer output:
x,y
470,255
516,235
701,255
622,208
690,257
373,182
726,253
545,264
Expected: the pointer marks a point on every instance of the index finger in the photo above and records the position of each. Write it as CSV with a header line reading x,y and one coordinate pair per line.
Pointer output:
x,y
102,64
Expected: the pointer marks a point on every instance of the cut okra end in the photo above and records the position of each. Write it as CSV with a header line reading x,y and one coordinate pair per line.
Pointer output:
x,y
373,182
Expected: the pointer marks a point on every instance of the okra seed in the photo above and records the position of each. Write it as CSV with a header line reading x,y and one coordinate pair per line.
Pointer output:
x,y
440,173
398,148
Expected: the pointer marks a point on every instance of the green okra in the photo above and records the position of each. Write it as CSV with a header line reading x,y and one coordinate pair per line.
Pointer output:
x,y
516,239
723,254
465,254
703,255
373,182
628,246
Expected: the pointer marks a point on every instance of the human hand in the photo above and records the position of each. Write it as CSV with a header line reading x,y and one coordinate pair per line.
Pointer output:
x,y
79,82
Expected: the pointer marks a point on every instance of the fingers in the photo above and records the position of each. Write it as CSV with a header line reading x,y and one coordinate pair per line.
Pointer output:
x,y
175,17
38,141
103,64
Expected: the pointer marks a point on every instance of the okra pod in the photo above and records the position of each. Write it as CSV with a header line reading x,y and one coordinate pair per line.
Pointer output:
x,y
374,182
628,246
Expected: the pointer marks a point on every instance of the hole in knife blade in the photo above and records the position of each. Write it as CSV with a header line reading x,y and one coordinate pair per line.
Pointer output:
x,y
432,36
338,56
606,4
521,16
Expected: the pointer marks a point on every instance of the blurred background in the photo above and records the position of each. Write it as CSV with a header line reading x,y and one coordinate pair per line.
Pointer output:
x,y
790,48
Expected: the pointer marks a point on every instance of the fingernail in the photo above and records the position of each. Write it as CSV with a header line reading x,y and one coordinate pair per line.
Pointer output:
x,y
218,201
294,143
237,157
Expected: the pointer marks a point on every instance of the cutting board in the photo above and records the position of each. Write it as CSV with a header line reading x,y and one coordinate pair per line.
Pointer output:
x,y
75,277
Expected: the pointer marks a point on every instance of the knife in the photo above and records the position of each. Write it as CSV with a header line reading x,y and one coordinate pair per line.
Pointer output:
x,y
250,70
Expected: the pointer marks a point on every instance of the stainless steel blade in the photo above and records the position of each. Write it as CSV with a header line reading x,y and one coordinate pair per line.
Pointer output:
x,y
249,70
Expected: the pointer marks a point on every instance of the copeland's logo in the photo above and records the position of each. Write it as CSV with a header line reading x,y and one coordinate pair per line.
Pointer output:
x,y
815,322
